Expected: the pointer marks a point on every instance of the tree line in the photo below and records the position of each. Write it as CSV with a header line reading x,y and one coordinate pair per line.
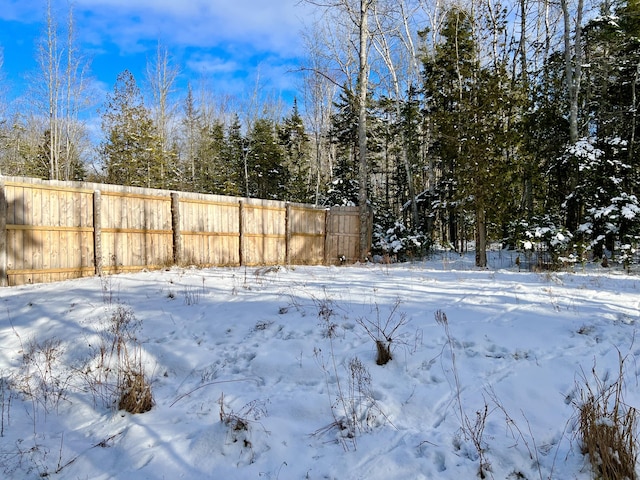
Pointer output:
x,y
453,122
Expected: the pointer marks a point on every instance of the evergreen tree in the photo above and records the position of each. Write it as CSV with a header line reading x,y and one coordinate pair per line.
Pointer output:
x,y
217,172
294,141
191,125
132,151
267,177
448,83
235,158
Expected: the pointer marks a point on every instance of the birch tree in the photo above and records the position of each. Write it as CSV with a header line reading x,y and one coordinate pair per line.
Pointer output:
x,y
572,22
358,12
161,78
394,44
60,88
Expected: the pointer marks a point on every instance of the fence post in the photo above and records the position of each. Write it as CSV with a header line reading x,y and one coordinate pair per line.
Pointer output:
x,y
4,281
97,232
287,234
241,232
175,226
327,238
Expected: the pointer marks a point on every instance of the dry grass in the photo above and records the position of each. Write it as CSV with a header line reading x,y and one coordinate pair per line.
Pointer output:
x,y
135,392
115,373
385,332
607,427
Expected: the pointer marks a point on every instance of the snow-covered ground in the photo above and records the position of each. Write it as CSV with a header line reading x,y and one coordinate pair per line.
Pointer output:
x,y
271,372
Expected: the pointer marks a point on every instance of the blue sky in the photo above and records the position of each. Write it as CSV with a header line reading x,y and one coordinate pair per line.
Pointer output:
x,y
228,44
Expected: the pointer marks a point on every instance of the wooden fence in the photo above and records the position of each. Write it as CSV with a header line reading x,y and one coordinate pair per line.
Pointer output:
x,y
51,231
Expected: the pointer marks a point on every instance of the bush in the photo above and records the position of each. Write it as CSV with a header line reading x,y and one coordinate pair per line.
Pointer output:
x,y
395,240
607,428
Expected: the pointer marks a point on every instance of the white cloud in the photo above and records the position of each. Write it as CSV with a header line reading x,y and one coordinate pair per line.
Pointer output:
x,y
264,25
209,64
20,10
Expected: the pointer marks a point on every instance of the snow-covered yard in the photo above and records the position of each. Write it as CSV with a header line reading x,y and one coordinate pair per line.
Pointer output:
x,y
271,372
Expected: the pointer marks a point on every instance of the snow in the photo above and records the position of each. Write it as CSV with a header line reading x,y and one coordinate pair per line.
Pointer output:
x,y
252,369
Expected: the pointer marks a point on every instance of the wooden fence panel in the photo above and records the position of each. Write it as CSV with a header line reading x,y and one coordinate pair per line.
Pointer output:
x,y
306,230
210,230
51,230
343,235
48,238
136,231
263,232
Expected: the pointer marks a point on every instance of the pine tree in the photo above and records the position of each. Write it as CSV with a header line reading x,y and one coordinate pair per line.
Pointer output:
x,y
294,141
448,81
235,158
132,150
267,177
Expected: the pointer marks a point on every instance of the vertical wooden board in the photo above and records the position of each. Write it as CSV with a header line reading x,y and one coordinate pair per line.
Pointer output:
x,y
118,254
46,249
38,207
149,253
208,251
85,211
9,194
85,242
63,210
158,215
79,209
148,217
75,217
28,206
46,208
14,242
108,248
122,218
124,248
155,214
11,248
35,236
224,251
78,254
36,253
186,246
137,252
218,217
164,249
112,209
194,221
183,208
201,220
54,209
146,207
187,216
58,251
234,250
19,206
154,246
62,249
213,219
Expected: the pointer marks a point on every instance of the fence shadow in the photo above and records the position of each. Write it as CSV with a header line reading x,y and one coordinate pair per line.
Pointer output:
x,y
15,234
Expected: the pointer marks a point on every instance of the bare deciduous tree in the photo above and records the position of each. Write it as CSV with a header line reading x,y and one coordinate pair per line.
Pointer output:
x,y
59,95
358,11
393,31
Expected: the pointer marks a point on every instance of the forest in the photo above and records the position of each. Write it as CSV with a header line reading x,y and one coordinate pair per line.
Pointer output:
x,y
454,123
